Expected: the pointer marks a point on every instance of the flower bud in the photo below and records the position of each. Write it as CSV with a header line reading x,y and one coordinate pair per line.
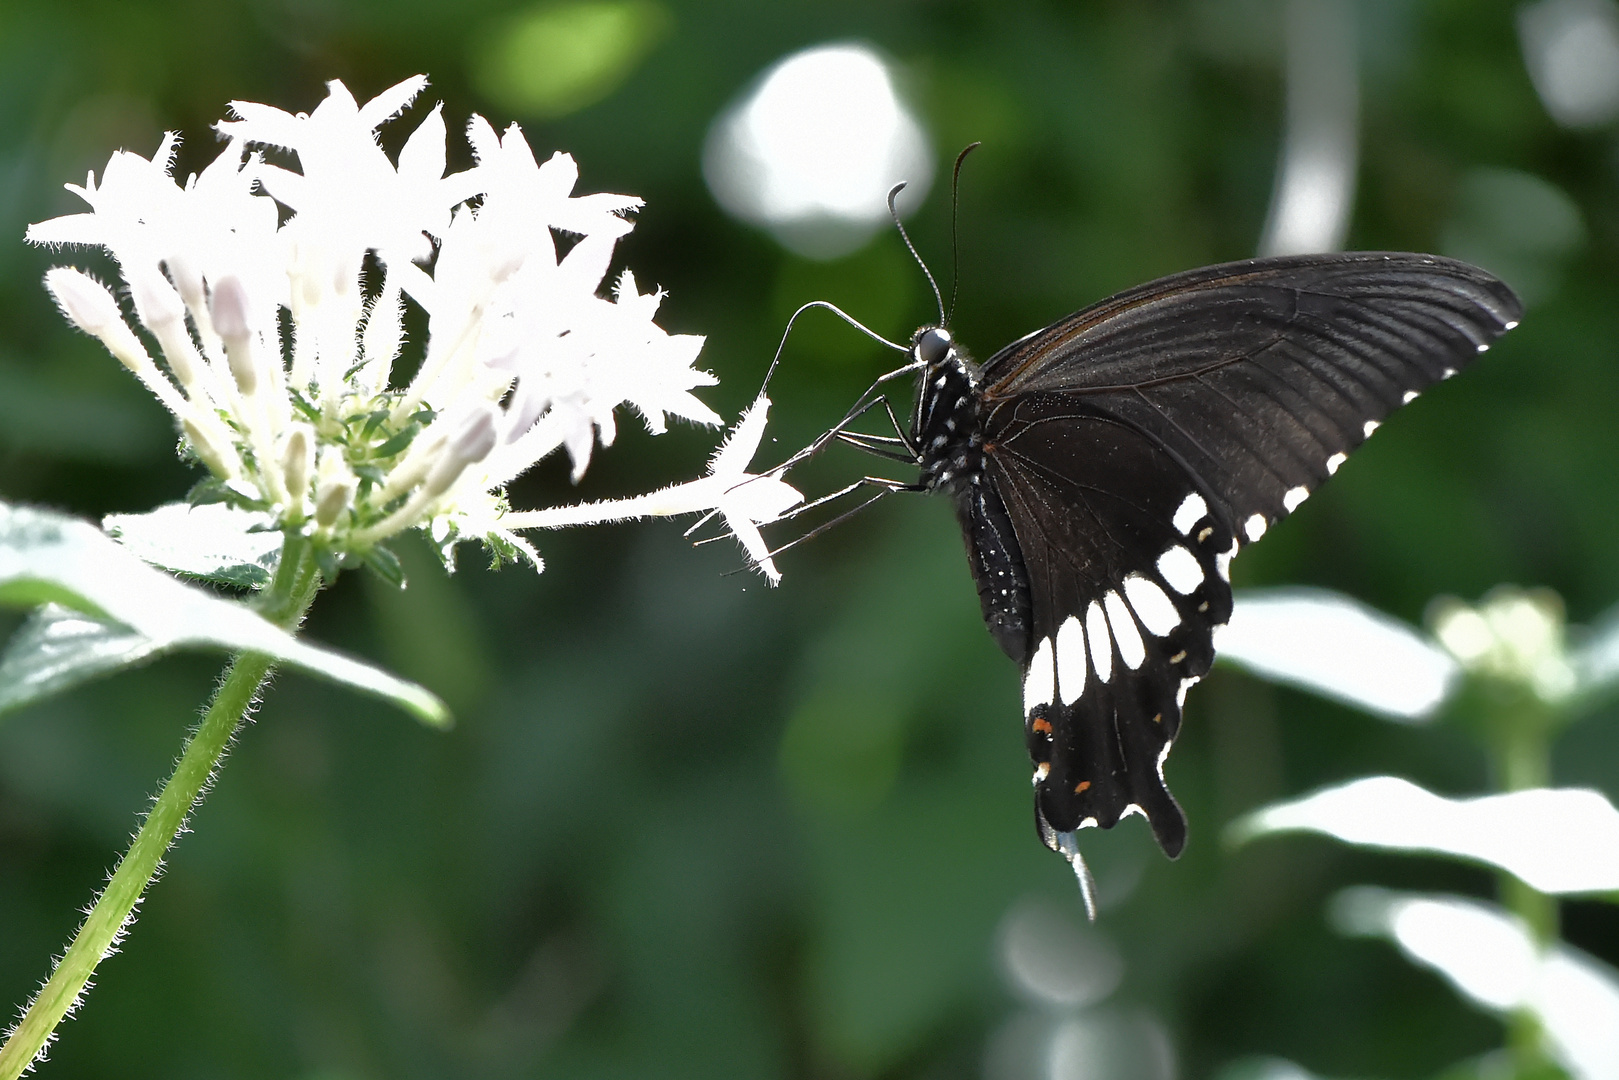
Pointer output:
x,y
157,305
297,458
228,306
334,487
471,442
187,279
162,311
84,300
206,451
92,308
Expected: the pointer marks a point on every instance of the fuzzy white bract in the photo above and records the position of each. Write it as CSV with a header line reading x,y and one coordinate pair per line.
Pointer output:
x,y
276,298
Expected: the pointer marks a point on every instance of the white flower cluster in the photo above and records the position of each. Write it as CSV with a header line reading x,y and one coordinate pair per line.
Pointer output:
x,y
1515,635
298,415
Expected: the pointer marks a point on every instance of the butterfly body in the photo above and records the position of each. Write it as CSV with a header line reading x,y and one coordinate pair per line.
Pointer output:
x,y
1105,471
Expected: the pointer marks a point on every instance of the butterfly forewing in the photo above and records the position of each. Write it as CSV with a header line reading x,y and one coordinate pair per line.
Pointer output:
x,y
1260,376
1131,448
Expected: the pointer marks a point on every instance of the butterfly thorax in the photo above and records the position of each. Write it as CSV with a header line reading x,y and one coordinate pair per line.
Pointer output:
x,y
947,429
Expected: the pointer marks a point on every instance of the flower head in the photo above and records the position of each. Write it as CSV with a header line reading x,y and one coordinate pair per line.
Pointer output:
x,y
276,298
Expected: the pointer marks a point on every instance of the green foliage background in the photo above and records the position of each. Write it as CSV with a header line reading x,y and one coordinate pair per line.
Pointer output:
x,y
688,826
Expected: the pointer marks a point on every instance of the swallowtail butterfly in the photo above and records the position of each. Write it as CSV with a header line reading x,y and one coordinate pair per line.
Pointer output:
x,y
1106,469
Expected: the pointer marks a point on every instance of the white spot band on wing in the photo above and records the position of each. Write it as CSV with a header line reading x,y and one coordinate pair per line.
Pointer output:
x,y
1131,649
1254,527
1333,462
1101,642
1039,680
1192,510
1181,569
1295,498
1072,668
1152,605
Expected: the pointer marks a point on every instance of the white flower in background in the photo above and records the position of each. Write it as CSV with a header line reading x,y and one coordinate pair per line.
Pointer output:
x,y
276,299
1513,635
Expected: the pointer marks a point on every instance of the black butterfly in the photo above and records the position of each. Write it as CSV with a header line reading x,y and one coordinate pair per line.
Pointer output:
x,y
1106,469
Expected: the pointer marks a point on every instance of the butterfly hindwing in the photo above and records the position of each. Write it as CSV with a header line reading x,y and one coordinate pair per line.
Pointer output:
x,y
1125,563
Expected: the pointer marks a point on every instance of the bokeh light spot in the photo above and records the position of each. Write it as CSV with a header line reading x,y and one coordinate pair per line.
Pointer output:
x,y
555,59
1571,48
811,151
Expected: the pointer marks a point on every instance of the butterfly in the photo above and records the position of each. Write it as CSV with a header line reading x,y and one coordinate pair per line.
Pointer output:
x,y
1106,469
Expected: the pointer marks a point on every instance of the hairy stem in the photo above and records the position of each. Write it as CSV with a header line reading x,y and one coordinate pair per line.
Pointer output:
x,y
284,603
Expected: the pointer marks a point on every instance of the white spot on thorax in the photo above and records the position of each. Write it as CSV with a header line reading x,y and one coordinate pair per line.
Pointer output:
x,y
1333,462
1181,569
1101,642
1222,562
1131,649
1039,680
1295,498
1254,527
1192,510
1152,605
1071,667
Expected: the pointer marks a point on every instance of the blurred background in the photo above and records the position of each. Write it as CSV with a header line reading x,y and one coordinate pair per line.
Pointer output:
x,y
691,826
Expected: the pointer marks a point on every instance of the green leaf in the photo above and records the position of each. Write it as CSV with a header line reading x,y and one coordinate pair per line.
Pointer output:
x,y
51,556
387,566
214,542
397,443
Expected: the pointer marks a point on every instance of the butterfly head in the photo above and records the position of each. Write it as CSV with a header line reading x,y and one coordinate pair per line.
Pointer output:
x,y
932,345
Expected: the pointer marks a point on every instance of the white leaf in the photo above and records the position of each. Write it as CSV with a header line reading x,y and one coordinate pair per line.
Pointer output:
x,y
213,541
50,557
1338,647
1490,957
1557,840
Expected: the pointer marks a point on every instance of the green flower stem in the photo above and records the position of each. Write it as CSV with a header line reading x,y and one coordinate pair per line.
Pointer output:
x,y
1521,747
284,603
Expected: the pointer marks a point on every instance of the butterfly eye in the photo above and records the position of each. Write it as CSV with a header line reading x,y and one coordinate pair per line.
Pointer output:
x,y
933,345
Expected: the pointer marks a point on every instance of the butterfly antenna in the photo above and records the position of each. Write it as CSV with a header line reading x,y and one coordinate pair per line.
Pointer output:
x,y
840,313
938,297
955,235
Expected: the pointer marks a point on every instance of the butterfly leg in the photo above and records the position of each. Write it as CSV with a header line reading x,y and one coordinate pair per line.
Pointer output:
x,y
884,486
864,404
